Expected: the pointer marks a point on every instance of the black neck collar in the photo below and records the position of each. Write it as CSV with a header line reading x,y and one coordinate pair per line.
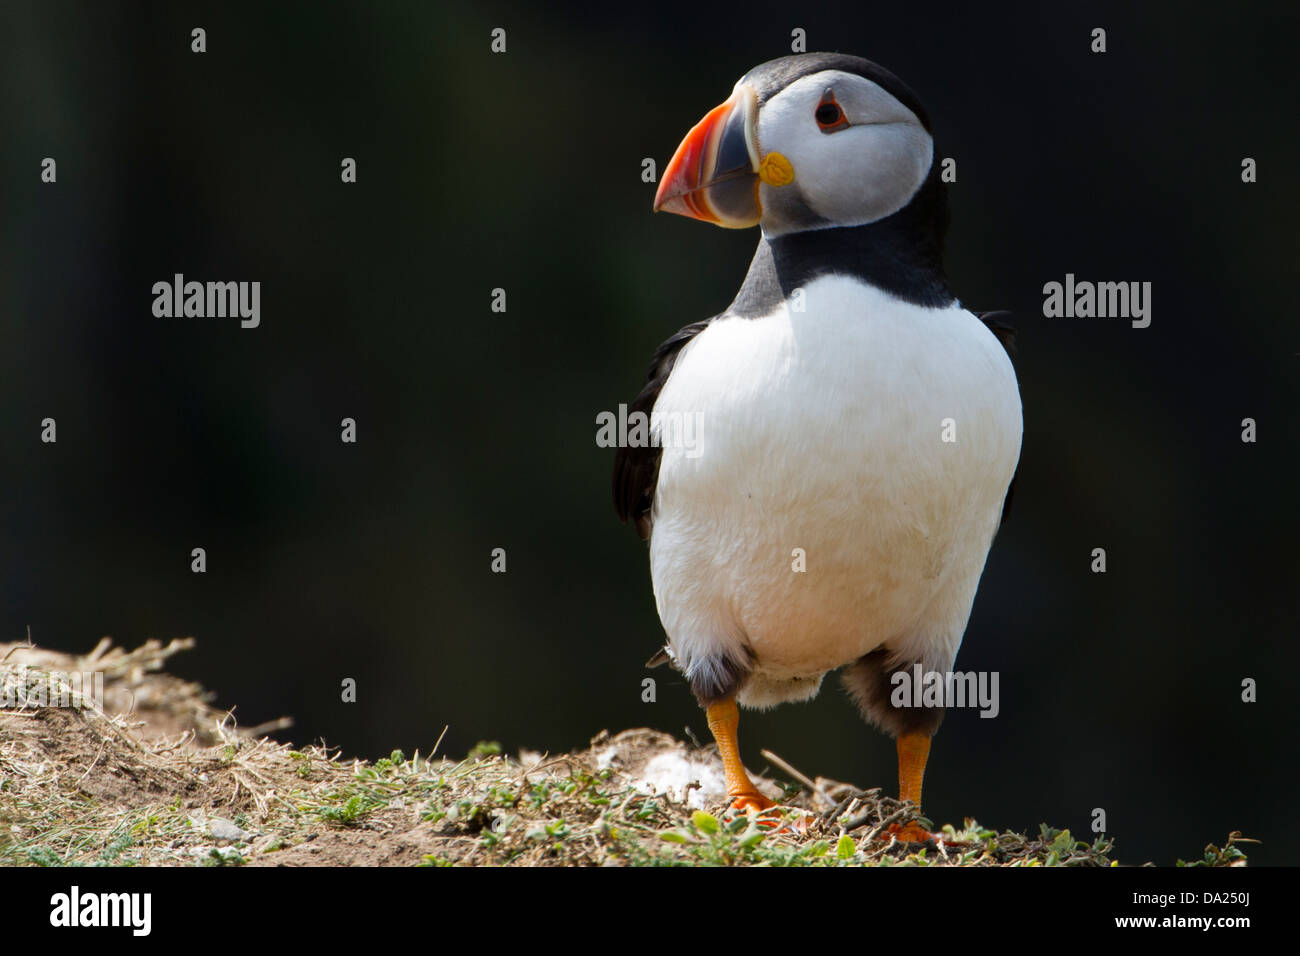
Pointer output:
x,y
901,254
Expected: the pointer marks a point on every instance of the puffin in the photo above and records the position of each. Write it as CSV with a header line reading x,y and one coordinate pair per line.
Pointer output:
x,y
858,429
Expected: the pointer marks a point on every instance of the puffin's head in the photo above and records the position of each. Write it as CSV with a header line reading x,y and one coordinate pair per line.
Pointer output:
x,y
810,141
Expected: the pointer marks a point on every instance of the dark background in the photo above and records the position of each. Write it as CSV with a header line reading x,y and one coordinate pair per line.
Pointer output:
x,y
522,171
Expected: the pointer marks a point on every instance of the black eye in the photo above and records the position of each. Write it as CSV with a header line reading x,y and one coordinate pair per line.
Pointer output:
x,y
829,116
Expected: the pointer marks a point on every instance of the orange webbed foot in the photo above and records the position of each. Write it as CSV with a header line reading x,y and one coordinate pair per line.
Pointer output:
x,y
912,833
751,800
767,814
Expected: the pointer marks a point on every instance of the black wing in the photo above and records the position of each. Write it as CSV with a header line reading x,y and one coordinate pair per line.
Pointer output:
x,y
636,470
1006,333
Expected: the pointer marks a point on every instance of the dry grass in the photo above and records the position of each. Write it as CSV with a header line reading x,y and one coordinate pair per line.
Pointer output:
x,y
160,777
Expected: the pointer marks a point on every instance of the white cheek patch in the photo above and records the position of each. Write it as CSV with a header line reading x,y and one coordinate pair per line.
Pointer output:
x,y
856,175
874,172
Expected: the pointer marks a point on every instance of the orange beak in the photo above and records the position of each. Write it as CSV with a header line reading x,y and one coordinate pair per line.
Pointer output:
x,y
713,176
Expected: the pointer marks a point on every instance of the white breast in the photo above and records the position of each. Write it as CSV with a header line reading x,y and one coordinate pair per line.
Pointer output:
x,y
823,431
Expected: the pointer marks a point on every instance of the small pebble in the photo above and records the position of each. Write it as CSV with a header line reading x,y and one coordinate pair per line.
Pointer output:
x,y
226,830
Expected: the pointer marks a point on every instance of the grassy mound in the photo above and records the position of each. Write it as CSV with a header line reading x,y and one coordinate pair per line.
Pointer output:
x,y
157,776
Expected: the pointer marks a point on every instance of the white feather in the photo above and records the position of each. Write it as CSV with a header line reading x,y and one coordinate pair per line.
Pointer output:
x,y
822,430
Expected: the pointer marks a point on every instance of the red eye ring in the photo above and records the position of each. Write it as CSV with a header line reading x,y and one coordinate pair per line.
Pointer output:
x,y
829,116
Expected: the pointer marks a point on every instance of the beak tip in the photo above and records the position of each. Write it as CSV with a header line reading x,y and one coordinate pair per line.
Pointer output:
x,y
661,199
